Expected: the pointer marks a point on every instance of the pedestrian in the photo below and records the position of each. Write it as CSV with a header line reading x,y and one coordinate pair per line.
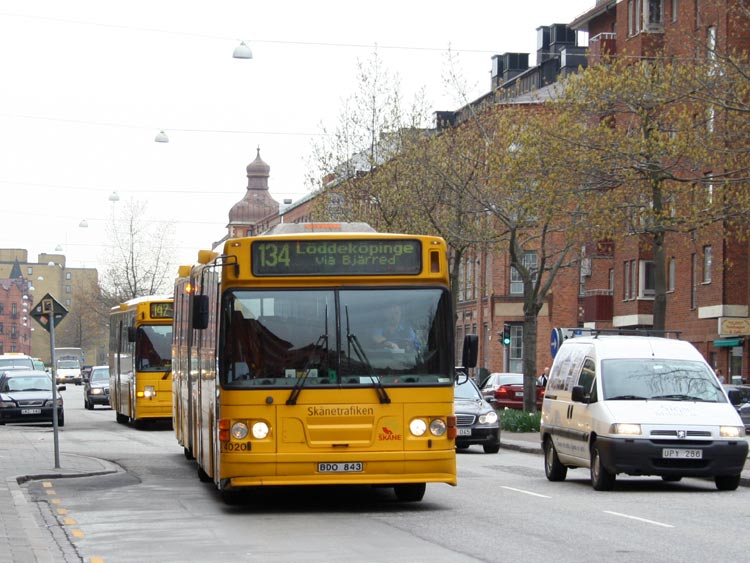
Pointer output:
x,y
719,375
542,379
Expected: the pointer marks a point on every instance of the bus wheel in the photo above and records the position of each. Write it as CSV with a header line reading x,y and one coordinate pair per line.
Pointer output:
x,y
203,476
412,492
188,453
122,418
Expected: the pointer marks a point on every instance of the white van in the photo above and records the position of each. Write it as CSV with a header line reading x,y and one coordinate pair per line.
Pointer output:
x,y
639,405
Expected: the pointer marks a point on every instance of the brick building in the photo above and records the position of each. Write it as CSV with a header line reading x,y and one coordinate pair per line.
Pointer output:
x,y
709,291
15,329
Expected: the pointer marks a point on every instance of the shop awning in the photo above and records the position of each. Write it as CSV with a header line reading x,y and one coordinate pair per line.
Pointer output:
x,y
728,342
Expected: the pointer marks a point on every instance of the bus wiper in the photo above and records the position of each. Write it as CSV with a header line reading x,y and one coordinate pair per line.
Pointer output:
x,y
678,397
297,389
362,357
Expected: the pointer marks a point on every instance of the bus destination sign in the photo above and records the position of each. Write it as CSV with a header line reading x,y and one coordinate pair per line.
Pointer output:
x,y
336,257
162,310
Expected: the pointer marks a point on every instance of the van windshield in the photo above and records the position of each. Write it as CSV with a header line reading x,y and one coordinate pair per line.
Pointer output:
x,y
659,379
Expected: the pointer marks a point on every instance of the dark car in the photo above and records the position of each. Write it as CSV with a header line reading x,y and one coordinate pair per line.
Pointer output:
x,y
476,420
505,390
743,408
96,387
26,396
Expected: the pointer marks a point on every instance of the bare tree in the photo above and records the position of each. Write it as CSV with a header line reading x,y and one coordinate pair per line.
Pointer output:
x,y
140,261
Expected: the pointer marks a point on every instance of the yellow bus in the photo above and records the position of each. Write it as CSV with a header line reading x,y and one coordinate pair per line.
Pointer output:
x,y
140,359
282,371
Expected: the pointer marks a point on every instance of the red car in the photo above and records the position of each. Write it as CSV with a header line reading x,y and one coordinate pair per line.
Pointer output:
x,y
505,390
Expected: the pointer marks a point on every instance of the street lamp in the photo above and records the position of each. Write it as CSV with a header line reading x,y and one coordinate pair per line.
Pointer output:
x,y
161,137
83,224
242,51
113,197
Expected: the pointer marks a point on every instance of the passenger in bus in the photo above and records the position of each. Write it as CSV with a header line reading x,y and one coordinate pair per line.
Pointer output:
x,y
395,334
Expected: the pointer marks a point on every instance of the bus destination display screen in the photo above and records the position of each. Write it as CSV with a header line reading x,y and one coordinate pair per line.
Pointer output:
x,y
336,257
162,310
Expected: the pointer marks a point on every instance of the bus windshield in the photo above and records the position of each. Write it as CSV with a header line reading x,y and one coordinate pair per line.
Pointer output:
x,y
345,337
154,348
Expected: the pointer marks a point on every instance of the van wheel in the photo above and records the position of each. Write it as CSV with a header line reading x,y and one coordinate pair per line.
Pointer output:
x,y
727,482
554,470
601,479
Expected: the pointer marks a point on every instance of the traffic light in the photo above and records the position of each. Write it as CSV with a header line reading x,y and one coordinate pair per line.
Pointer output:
x,y
506,334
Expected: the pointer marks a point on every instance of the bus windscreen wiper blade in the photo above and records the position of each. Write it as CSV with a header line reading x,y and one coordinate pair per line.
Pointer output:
x,y
322,340
362,357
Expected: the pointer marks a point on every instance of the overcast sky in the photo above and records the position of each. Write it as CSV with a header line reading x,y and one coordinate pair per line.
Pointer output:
x,y
87,84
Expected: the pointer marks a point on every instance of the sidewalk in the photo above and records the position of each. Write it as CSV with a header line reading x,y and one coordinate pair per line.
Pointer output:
x,y
529,442
26,454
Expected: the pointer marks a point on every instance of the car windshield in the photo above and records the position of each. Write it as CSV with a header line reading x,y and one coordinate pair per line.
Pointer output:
x,y
26,383
16,363
100,375
659,379
68,364
467,391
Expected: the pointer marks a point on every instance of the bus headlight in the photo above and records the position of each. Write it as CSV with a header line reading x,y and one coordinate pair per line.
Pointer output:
x,y
239,430
438,427
260,430
149,392
418,427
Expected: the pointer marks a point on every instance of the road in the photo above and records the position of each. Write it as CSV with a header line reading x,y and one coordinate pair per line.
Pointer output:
x,y
503,509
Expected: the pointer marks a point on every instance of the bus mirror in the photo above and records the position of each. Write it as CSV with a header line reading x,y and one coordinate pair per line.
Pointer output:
x,y
471,350
200,312
131,334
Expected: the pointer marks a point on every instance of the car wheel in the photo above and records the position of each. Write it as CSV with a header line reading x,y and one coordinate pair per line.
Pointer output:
x,y
412,492
727,482
491,448
553,469
601,479
61,421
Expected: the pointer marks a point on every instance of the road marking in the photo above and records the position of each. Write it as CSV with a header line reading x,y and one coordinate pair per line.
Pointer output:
x,y
654,522
69,521
526,492
56,501
62,511
46,484
77,533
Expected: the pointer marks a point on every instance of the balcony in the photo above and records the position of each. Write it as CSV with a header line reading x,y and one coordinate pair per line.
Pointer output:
x,y
602,46
597,305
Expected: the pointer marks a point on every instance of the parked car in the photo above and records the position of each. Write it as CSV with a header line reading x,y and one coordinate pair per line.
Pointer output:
x,y
96,387
743,408
505,390
476,420
16,361
26,396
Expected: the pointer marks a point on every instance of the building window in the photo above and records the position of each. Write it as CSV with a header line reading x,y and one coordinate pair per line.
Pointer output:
x,y
655,13
693,281
67,275
707,263
633,279
462,280
2,308
487,275
674,10
611,279
515,350
530,263
14,310
646,281
29,271
626,279
631,19
67,289
671,274
1,328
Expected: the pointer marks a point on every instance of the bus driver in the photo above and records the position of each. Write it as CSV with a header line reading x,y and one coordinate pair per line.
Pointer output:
x,y
395,334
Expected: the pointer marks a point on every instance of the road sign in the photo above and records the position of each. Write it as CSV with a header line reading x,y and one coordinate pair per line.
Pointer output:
x,y
47,307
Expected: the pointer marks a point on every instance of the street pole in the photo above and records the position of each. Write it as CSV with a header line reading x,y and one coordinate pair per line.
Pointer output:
x,y
48,305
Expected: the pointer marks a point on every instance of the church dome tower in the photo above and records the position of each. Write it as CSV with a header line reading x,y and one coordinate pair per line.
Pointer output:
x,y
257,202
